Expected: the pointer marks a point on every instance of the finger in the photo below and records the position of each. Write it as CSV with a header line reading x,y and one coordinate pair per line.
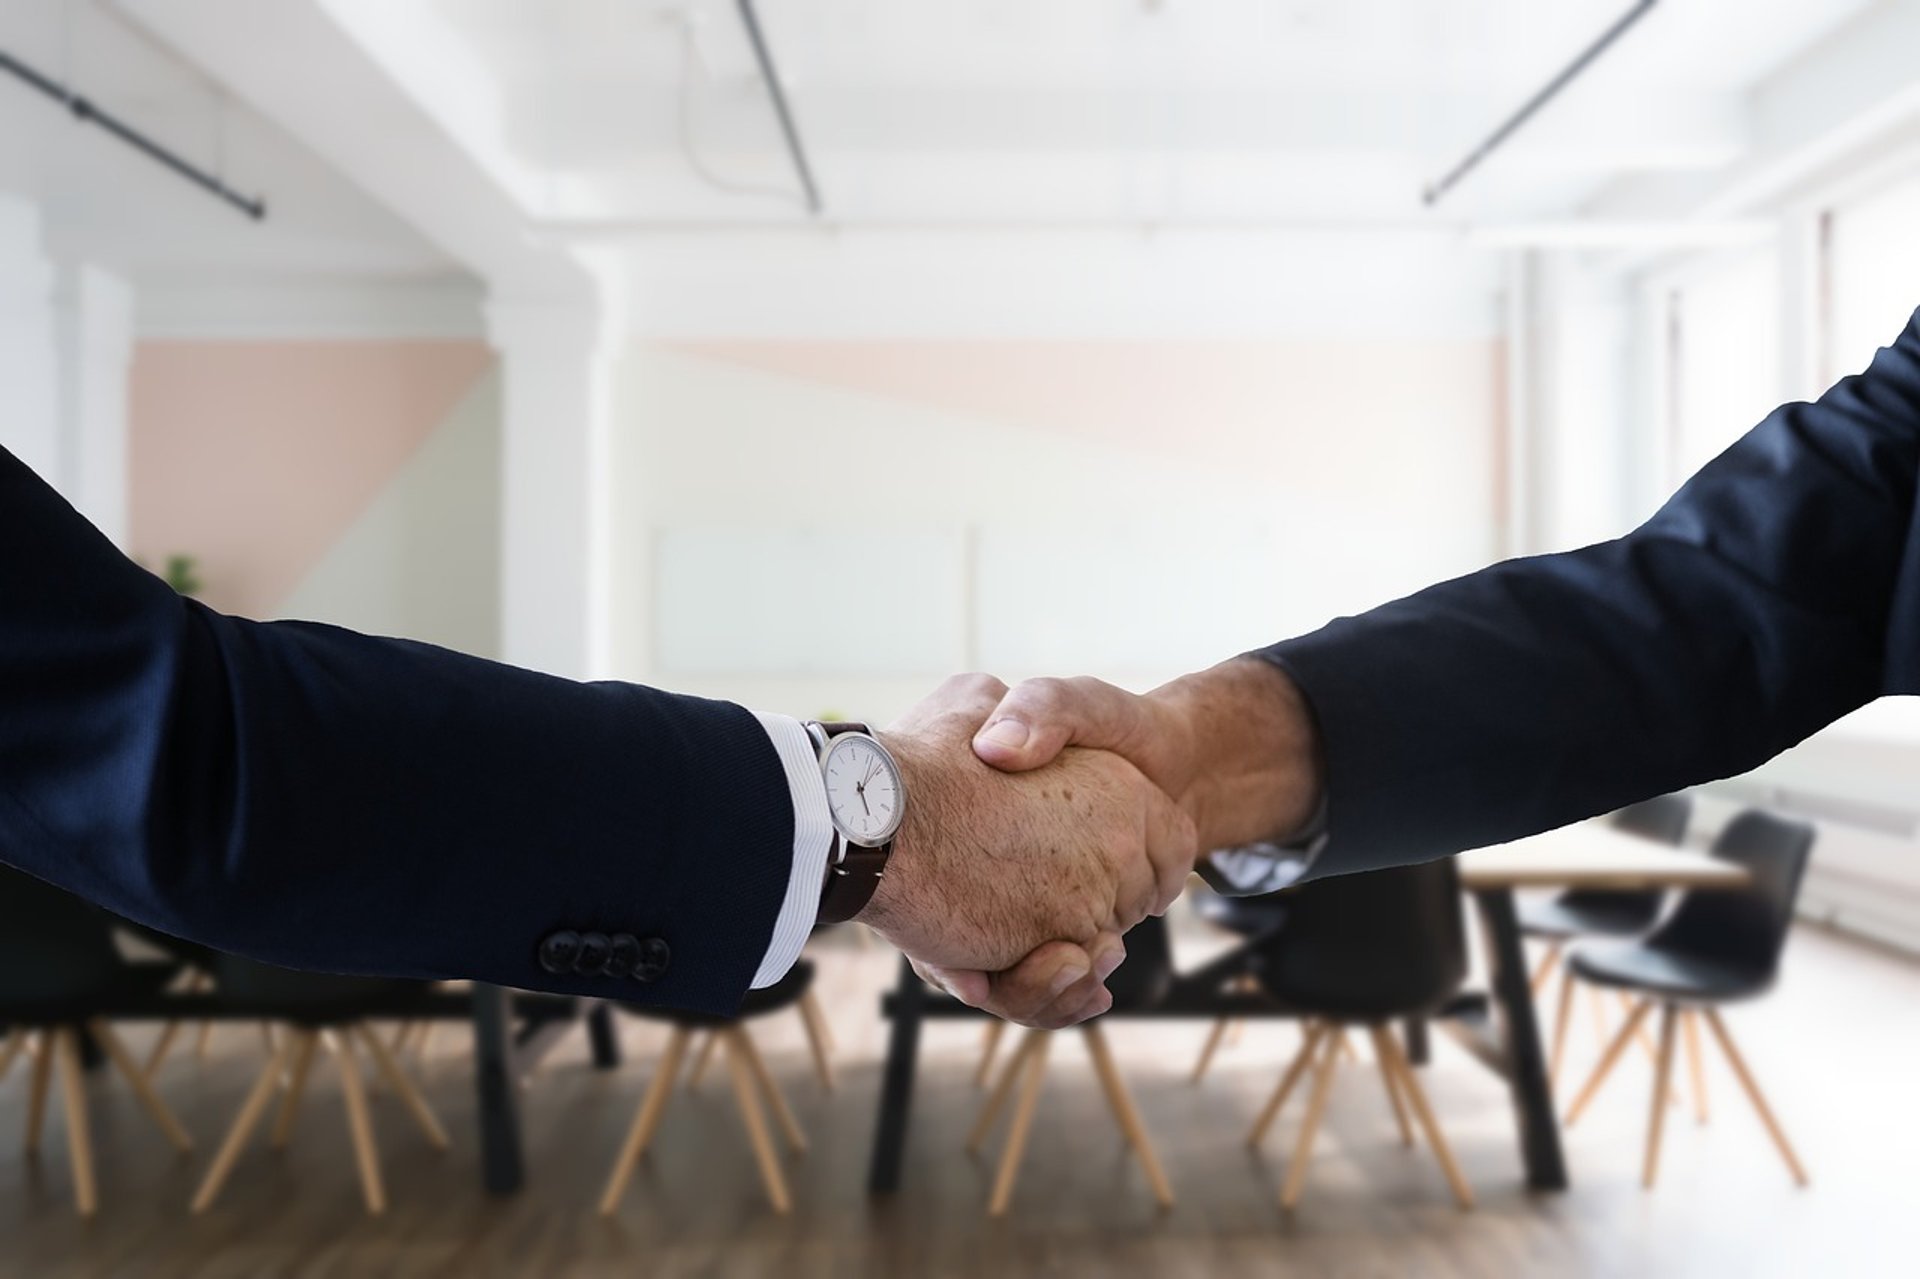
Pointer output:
x,y
1042,717
1056,972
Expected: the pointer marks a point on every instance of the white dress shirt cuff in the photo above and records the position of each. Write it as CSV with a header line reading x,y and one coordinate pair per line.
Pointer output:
x,y
812,842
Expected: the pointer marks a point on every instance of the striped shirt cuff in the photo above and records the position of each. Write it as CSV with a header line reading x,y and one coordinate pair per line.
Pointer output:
x,y
812,842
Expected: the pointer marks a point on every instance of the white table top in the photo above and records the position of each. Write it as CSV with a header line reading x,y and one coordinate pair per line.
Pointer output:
x,y
1594,855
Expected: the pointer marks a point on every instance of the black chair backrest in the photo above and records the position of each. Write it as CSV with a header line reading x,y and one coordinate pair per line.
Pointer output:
x,y
1146,974
54,947
1386,943
292,993
1664,817
1745,927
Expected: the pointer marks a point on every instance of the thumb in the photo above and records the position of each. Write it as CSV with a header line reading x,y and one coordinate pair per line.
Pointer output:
x,y
1039,718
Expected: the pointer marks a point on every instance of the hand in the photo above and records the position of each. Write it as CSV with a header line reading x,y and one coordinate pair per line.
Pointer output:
x,y
1235,746
1044,869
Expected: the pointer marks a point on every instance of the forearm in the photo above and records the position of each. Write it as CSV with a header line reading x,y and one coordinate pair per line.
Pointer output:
x,y
1250,750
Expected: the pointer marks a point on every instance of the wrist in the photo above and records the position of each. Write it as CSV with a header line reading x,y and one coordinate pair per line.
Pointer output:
x,y
1250,747
918,782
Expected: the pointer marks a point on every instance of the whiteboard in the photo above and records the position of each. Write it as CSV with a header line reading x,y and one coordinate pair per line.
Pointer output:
x,y
855,599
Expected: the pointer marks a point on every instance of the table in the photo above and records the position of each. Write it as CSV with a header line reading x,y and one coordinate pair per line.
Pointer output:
x,y
500,1057
1589,855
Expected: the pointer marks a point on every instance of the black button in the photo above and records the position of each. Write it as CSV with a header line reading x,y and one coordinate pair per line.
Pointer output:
x,y
622,955
655,955
592,959
558,949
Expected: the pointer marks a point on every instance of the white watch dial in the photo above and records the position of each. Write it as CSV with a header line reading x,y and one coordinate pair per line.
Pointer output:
x,y
864,793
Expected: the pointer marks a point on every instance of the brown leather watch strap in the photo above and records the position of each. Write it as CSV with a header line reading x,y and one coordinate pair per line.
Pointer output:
x,y
853,872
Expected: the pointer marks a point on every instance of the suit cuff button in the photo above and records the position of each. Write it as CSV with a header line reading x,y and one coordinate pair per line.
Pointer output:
x,y
622,955
557,950
655,955
592,959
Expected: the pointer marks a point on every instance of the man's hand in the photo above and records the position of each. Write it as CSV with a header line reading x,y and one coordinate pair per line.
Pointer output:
x,y
1235,746
1044,868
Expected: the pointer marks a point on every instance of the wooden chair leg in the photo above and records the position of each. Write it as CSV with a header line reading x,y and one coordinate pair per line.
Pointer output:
x,y
161,1047
1602,1032
989,1047
403,1087
1389,1078
306,1043
1310,1036
701,1062
746,1096
1662,1072
236,1138
73,1091
1127,1114
1607,1059
819,1037
645,1120
1236,1030
1423,1111
359,1123
1208,1049
104,1035
37,1089
401,1034
16,1040
1310,1126
1646,1040
1562,1016
1016,1148
1696,1066
1544,968
429,1031
1754,1095
997,1099
770,1088
200,1043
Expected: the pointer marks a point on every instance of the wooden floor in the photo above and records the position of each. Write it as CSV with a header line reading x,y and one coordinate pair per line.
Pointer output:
x,y
1837,1046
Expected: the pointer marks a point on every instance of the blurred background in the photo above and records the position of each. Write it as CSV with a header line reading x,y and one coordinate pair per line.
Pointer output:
x,y
1123,336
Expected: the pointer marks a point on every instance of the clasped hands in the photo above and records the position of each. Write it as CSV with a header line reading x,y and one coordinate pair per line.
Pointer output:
x,y
1046,820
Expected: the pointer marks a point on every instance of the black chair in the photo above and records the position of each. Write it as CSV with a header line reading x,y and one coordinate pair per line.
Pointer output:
x,y
1139,985
1716,947
1585,912
1365,950
751,1082
1252,919
61,977
315,1008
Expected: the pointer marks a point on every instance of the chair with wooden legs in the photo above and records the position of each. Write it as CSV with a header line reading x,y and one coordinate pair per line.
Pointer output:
x,y
753,1084
1716,947
315,1010
820,1044
1567,917
1365,951
1140,983
1251,919
60,973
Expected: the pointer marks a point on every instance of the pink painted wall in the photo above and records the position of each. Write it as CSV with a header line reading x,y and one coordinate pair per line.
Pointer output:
x,y
254,457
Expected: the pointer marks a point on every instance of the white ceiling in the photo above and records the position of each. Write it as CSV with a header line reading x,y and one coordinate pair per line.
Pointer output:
x,y
1109,110
102,201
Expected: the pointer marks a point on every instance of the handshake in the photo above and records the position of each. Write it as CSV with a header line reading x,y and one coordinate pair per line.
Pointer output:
x,y
1046,820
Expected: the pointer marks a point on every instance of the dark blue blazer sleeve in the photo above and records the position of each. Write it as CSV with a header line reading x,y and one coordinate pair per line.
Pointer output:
x,y
326,800
1777,591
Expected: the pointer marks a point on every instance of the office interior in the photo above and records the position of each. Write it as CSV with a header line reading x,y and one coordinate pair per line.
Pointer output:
x,y
1124,336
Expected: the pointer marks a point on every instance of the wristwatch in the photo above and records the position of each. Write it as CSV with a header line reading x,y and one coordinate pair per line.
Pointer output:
x,y
866,797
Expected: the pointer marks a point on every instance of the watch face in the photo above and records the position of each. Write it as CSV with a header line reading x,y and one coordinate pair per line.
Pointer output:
x,y
864,793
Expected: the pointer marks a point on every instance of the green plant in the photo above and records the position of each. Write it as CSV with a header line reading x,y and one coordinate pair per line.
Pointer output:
x,y
182,574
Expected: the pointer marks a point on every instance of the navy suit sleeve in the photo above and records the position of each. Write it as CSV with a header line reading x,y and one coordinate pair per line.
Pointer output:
x,y
1777,591
326,800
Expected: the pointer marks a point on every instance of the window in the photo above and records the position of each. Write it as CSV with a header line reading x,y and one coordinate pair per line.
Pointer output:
x,y
1724,347
1873,274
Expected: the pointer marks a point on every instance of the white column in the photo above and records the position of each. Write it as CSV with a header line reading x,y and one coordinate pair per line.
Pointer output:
x,y
555,383
95,344
29,368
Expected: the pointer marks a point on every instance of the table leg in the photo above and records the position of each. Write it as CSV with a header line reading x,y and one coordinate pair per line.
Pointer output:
x,y
501,1167
600,1033
1419,1051
1526,1058
896,1087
